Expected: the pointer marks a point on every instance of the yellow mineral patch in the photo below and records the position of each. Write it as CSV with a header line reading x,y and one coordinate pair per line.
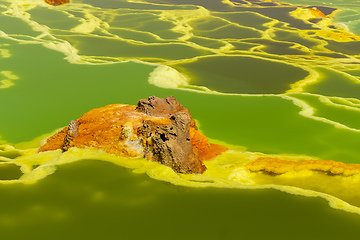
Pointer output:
x,y
4,53
340,186
345,104
351,103
310,79
88,24
339,36
181,20
307,13
309,112
6,83
167,77
9,75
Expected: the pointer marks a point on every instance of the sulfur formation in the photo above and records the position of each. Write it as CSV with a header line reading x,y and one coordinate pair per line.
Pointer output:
x,y
160,129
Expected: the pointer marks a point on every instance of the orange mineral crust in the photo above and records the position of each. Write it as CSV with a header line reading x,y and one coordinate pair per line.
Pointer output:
x,y
316,12
56,2
101,129
168,136
280,166
203,148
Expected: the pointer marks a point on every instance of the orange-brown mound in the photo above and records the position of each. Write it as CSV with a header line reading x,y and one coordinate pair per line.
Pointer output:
x,y
281,166
56,2
127,131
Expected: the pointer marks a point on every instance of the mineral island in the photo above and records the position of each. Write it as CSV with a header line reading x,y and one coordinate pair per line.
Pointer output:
x,y
160,129
163,130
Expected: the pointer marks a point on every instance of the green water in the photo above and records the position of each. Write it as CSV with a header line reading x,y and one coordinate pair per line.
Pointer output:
x,y
61,90
259,80
334,83
92,200
240,74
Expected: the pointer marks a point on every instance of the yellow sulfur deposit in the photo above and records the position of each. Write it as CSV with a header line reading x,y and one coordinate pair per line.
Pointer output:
x,y
339,36
326,25
281,166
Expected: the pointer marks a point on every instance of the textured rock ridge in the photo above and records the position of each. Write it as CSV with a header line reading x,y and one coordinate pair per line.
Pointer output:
x,y
171,145
162,107
162,130
71,133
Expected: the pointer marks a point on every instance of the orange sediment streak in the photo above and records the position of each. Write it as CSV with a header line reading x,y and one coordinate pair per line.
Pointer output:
x,y
316,12
281,166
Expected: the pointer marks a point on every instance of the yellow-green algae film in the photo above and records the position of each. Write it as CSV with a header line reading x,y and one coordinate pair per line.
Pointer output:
x,y
264,78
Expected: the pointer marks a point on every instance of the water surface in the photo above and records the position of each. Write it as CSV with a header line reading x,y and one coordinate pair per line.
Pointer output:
x,y
256,78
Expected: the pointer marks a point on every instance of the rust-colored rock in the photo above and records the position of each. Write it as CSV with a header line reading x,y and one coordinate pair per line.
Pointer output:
x,y
280,166
162,107
71,133
56,2
171,144
160,129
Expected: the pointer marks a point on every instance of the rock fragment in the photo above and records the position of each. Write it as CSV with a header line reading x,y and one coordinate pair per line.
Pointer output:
x,y
71,133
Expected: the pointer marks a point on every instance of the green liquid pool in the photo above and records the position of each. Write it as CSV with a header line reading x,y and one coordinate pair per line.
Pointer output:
x,y
253,76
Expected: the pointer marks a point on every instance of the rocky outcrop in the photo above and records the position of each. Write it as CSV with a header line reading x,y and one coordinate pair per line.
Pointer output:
x,y
162,107
161,130
171,144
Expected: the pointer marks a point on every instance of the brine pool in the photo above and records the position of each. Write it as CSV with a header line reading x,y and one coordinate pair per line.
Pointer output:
x,y
257,76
